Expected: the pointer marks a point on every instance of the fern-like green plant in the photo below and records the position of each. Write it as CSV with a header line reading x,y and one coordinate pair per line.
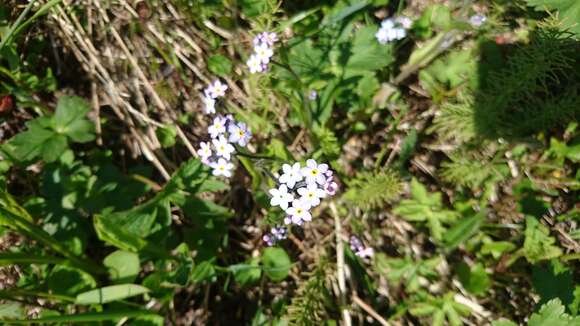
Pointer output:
x,y
473,169
308,305
455,120
373,190
537,89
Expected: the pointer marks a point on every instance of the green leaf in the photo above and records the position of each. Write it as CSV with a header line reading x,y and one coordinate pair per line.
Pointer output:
x,y
28,145
68,110
428,208
538,244
503,322
407,270
569,11
110,293
475,279
497,248
367,54
69,281
552,280
276,263
246,274
203,272
83,318
552,313
11,310
123,266
53,148
219,65
166,135
463,230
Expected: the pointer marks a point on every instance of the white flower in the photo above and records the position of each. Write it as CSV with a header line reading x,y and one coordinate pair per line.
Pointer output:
x,y
222,147
204,152
281,197
263,52
314,173
299,211
393,29
254,64
365,253
239,134
218,127
217,89
222,167
209,105
311,194
291,175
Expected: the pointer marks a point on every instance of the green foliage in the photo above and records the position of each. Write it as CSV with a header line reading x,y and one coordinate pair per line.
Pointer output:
x,y
474,169
406,270
538,244
568,11
441,309
474,279
219,65
49,136
552,313
308,305
373,190
427,208
123,266
276,263
110,294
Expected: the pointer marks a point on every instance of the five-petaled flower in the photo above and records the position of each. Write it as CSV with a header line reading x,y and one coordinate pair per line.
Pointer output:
x,y
217,89
314,173
281,197
218,126
291,174
222,147
299,212
239,133
311,194
254,64
222,167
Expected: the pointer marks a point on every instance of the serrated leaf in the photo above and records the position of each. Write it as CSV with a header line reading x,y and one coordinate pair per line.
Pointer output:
x,y
552,313
538,244
569,11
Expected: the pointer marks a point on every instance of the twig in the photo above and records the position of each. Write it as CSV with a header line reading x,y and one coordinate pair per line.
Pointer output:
x,y
340,267
369,310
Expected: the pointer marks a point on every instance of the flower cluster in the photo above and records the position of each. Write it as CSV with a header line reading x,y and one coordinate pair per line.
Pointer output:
x,y
224,132
393,29
301,189
276,234
263,43
359,249
211,94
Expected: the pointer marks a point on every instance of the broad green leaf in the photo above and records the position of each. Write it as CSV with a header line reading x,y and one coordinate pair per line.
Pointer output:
x,y
248,273
53,147
28,145
219,65
552,314
110,294
123,266
166,135
474,279
538,244
497,248
69,281
276,263
10,310
366,53
68,110
553,280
